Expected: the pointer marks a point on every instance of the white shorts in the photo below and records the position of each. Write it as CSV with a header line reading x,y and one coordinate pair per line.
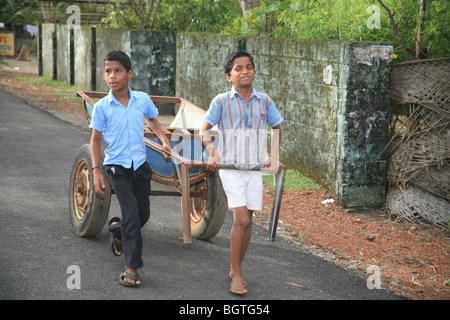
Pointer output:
x,y
243,188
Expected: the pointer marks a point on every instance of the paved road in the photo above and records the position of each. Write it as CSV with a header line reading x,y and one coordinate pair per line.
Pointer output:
x,y
37,244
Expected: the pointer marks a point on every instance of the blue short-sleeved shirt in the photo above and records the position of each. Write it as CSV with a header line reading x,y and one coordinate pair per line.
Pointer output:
x,y
242,127
123,128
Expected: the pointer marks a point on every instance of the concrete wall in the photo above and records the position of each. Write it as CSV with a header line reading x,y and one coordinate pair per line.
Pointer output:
x,y
63,53
333,95
83,56
200,58
153,56
46,50
363,125
76,56
107,40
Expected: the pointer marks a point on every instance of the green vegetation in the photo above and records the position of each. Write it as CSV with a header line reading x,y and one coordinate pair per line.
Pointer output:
x,y
362,20
35,11
418,29
353,20
173,15
292,181
19,11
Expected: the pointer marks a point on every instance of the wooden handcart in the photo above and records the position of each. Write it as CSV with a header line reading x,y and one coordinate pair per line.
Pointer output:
x,y
203,201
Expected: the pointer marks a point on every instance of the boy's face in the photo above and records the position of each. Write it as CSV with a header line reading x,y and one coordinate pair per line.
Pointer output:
x,y
242,74
116,76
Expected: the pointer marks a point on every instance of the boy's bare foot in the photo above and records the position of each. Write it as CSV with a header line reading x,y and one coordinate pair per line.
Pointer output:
x,y
243,280
237,286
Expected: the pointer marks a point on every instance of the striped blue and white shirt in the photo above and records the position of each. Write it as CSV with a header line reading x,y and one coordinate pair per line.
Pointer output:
x,y
242,126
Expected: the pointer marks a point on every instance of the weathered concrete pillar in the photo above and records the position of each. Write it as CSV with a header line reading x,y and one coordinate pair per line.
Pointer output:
x,y
153,56
48,31
363,129
83,57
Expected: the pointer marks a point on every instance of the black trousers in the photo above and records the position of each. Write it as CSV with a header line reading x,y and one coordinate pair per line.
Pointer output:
x,y
132,189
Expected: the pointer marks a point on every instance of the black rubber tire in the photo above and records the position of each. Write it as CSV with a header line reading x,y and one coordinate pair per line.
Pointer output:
x,y
207,216
88,209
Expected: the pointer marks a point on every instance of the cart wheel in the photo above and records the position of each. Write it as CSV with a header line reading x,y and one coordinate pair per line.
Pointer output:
x,y
208,212
88,209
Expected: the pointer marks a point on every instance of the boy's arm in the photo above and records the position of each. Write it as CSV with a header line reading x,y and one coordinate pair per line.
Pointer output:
x,y
214,158
99,181
156,127
272,163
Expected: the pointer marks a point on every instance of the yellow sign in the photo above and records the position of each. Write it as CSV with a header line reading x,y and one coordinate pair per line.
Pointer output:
x,y
7,43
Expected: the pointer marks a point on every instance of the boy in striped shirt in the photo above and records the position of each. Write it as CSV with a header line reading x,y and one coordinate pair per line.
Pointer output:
x,y
241,116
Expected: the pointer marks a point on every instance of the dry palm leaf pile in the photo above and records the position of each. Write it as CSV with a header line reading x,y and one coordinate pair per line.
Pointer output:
x,y
419,154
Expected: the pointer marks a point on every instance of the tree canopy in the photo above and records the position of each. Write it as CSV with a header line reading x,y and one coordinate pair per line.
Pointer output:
x,y
19,11
404,23
417,28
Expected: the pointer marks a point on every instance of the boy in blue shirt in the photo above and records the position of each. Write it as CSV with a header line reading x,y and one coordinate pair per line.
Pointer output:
x,y
241,116
120,117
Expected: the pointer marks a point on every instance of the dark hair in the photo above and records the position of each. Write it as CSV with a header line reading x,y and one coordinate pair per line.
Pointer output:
x,y
229,60
119,56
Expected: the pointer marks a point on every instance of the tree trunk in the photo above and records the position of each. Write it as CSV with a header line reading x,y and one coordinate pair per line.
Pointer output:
x,y
249,4
394,28
45,11
420,52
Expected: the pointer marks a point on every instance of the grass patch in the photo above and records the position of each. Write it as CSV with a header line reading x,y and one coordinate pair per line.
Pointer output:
x,y
293,180
64,89
51,83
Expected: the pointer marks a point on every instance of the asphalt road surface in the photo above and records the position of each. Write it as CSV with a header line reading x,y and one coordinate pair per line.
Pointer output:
x,y
42,258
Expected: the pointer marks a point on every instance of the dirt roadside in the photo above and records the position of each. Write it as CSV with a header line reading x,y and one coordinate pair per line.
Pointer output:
x,y
412,259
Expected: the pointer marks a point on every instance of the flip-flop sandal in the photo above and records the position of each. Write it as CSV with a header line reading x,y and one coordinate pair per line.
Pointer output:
x,y
115,246
123,282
